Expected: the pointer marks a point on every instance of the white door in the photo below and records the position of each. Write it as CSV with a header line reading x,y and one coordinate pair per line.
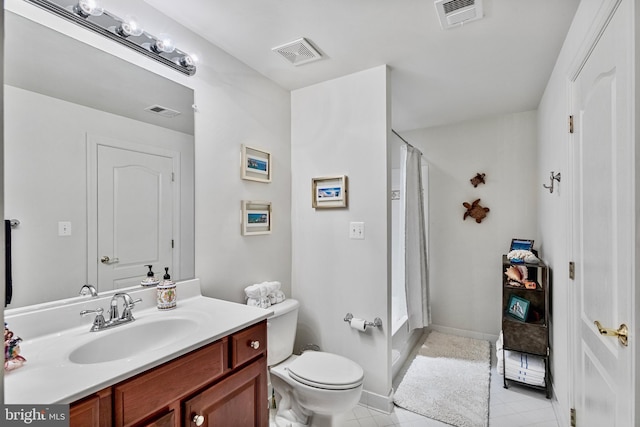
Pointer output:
x,y
135,216
603,216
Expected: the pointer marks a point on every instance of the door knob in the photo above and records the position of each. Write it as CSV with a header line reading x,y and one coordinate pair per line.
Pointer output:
x,y
106,260
622,333
198,419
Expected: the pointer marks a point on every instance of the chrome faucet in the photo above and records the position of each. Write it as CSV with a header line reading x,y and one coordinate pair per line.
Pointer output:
x,y
88,290
115,319
129,303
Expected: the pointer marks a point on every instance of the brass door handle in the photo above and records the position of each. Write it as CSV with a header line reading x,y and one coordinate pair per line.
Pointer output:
x,y
622,333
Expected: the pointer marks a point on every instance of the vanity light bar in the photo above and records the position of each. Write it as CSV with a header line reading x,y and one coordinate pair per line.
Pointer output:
x,y
110,26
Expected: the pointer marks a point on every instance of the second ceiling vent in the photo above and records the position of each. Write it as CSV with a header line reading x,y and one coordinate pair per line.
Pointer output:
x,y
453,13
298,52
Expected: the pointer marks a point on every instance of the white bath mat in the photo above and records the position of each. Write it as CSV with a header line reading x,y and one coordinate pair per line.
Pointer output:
x,y
449,381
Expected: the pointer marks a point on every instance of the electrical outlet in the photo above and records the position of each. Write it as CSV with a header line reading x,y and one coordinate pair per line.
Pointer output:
x,y
64,228
356,230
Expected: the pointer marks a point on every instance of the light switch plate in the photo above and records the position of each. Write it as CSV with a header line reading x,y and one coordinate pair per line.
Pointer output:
x,y
64,228
356,230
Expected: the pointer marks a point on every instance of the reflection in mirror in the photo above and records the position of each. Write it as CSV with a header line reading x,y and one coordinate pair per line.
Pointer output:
x,y
98,168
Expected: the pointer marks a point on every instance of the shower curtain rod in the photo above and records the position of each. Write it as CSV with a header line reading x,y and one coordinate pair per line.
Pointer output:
x,y
404,140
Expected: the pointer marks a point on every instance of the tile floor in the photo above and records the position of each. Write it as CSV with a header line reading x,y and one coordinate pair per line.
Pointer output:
x,y
514,407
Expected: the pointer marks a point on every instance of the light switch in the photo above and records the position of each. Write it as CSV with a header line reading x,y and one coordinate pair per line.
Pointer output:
x,y
64,228
356,230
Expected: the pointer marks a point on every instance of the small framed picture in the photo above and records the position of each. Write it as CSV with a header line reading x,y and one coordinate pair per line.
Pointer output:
x,y
256,217
518,308
255,164
329,192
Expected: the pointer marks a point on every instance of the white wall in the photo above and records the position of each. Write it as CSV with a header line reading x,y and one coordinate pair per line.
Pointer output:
x,y
341,127
236,105
46,179
555,210
466,257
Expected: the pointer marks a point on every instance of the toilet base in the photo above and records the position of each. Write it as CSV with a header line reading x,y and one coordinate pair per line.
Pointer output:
x,y
317,420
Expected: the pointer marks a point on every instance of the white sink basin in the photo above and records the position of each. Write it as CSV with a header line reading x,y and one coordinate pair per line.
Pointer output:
x,y
130,339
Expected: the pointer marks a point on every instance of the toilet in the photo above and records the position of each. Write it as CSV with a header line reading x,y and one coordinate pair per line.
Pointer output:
x,y
313,389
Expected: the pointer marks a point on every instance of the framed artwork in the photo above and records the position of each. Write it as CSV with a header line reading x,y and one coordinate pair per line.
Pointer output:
x,y
518,308
329,192
256,217
255,164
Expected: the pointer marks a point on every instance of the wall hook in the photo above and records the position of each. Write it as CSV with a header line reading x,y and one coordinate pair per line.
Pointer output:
x,y
553,177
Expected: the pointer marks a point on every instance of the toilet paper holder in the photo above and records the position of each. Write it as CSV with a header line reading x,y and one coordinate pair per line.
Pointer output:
x,y
377,322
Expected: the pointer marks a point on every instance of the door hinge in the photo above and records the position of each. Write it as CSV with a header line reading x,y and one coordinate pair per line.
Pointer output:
x,y
572,270
172,244
570,124
572,414
173,177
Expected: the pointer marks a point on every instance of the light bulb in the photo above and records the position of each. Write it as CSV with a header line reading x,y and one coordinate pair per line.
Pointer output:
x,y
187,61
163,44
86,8
129,27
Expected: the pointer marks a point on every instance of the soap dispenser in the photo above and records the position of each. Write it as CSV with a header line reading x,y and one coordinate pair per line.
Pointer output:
x,y
150,280
166,292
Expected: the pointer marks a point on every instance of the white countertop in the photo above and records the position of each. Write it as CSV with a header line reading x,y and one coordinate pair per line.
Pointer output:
x,y
52,332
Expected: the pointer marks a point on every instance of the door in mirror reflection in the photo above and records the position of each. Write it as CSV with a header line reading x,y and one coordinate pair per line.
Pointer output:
x,y
134,216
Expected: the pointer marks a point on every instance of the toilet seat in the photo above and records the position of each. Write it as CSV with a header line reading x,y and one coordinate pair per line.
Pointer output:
x,y
326,371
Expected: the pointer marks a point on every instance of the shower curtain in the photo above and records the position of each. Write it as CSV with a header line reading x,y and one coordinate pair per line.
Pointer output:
x,y
415,239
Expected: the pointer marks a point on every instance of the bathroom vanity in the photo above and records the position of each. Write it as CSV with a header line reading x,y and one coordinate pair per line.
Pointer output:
x,y
223,383
203,363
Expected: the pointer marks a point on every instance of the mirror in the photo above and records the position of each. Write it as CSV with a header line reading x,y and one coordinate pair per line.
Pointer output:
x,y
77,126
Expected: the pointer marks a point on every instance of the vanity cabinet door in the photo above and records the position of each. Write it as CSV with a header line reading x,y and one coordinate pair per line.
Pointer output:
x,y
92,411
238,400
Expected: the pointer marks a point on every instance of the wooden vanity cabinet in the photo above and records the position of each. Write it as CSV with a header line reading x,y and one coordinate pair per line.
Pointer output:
x,y
225,382
94,410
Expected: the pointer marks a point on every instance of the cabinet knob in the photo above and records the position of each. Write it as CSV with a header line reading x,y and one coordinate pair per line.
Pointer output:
x,y
198,419
255,344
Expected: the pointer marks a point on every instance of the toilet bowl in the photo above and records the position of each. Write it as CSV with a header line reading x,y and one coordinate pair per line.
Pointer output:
x,y
314,389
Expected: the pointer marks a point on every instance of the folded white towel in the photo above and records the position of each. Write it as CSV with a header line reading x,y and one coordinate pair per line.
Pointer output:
x,y
276,297
526,361
524,378
253,291
271,286
262,302
264,294
534,376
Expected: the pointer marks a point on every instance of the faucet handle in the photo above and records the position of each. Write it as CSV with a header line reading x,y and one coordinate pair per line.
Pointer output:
x,y
98,311
98,322
126,313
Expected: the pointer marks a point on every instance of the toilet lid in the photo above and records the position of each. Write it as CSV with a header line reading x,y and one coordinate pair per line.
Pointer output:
x,y
326,370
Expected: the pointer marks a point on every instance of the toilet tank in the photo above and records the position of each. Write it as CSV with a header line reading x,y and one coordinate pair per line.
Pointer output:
x,y
281,331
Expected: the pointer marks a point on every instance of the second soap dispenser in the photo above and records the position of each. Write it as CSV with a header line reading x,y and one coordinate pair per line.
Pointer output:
x,y
166,292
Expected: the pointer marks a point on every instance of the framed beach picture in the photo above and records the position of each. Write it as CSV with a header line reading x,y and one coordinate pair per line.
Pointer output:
x,y
256,217
518,308
255,164
329,192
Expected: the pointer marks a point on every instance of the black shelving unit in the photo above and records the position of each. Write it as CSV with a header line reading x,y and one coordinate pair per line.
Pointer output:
x,y
529,335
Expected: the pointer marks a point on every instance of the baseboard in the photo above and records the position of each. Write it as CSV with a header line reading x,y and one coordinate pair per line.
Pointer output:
x,y
377,402
464,333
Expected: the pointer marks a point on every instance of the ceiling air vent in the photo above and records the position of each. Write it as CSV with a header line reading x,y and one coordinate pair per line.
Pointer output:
x,y
162,111
453,13
298,52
